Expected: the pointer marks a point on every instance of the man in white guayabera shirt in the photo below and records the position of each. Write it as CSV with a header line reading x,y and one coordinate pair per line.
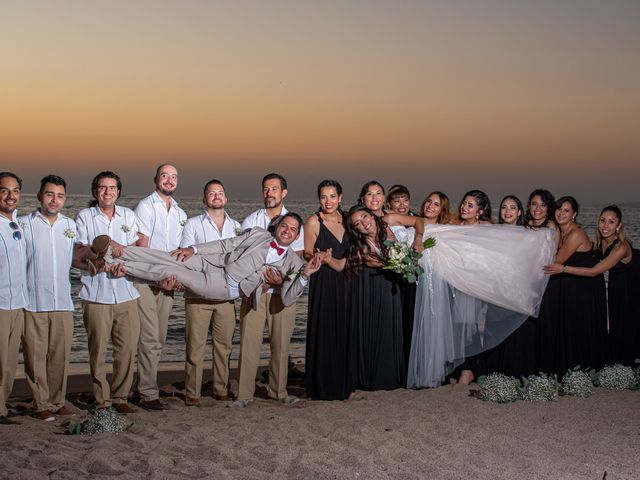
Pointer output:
x,y
13,287
48,318
202,314
160,225
280,319
110,304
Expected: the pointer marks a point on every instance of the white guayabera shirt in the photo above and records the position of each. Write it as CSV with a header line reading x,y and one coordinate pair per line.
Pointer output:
x,y
13,265
163,227
201,229
122,228
49,256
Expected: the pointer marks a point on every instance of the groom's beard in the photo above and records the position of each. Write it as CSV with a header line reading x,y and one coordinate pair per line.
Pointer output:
x,y
166,192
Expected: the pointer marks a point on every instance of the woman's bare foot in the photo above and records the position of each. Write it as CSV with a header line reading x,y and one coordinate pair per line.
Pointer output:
x,y
466,377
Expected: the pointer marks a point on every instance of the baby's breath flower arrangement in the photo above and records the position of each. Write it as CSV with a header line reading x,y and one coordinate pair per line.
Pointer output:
x,y
577,383
103,420
638,370
499,388
617,377
540,388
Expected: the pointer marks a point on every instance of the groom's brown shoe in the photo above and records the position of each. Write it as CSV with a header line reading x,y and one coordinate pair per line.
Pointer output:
x,y
99,246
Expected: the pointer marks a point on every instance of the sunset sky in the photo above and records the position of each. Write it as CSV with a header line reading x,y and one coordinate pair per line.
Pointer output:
x,y
503,96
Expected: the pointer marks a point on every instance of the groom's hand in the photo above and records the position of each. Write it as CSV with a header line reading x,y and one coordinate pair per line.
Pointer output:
x,y
272,277
313,265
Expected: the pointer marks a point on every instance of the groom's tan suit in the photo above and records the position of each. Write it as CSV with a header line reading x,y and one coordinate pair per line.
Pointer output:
x,y
242,258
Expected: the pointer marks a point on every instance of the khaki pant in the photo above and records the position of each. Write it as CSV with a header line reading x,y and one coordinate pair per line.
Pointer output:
x,y
154,308
280,321
46,345
202,315
122,323
11,324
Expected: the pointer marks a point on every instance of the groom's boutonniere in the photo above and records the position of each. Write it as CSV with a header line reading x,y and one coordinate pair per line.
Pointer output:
x,y
126,228
291,274
183,223
69,233
238,232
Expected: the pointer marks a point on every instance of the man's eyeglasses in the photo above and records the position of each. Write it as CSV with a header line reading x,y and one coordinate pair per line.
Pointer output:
x,y
17,234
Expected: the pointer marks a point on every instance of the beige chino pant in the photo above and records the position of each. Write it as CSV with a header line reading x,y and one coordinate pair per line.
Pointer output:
x,y
202,315
46,345
154,308
195,274
11,324
121,322
280,321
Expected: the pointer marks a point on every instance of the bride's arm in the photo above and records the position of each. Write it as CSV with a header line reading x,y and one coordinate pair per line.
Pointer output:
x,y
393,219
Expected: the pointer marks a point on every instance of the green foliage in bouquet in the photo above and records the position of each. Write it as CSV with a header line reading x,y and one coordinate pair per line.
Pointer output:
x,y
617,377
540,388
103,420
499,388
403,260
577,383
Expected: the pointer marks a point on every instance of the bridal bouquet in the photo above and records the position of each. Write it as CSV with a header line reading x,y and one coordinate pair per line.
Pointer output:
x,y
404,260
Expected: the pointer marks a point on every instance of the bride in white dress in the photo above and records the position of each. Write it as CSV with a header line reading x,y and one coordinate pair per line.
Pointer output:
x,y
474,276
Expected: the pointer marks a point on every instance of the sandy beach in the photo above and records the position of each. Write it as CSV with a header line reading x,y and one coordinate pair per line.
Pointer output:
x,y
436,433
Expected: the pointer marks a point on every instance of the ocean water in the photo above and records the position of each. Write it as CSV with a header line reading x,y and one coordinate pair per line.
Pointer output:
x,y
238,209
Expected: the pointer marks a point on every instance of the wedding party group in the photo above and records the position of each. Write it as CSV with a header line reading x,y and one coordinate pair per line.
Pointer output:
x,y
397,298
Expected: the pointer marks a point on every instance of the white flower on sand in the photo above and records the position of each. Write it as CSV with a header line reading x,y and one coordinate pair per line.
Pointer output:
x,y
126,228
69,233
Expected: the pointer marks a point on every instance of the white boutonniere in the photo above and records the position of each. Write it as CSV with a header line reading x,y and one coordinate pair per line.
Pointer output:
x,y
183,223
23,226
291,275
69,233
238,232
126,228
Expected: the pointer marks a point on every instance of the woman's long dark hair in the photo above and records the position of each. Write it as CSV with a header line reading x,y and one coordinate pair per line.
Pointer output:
x,y
365,189
484,204
520,219
548,200
358,243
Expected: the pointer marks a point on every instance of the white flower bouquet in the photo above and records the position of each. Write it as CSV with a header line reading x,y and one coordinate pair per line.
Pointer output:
x,y
404,260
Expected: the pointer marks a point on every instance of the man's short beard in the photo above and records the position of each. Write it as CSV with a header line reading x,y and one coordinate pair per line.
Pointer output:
x,y
168,193
273,206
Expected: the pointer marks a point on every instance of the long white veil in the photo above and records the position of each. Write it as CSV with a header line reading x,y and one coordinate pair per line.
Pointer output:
x,y
480,284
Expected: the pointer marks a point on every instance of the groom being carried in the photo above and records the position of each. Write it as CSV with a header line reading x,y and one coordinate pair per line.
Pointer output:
x,y
223,269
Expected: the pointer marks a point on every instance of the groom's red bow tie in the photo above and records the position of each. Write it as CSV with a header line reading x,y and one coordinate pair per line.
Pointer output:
x,y
273,244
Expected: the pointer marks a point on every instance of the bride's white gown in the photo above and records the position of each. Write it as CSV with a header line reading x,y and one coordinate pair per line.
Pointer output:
x,y
485,278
